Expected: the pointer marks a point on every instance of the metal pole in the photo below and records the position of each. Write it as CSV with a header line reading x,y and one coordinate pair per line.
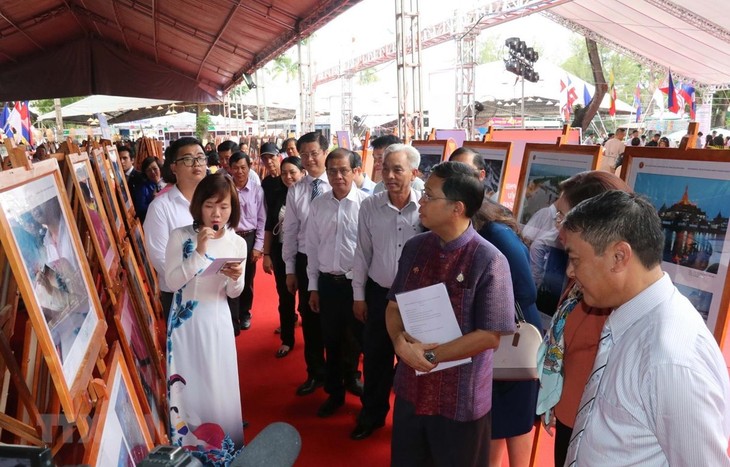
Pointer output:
x,y
523,102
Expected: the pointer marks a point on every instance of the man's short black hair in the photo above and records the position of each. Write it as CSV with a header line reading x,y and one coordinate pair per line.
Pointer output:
x,y
342,153
237,156
619,216
382,142
461,183
228,145
477,158
313,137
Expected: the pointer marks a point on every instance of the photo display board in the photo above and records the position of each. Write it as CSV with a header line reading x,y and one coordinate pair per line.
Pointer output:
x,y
496,156
692,197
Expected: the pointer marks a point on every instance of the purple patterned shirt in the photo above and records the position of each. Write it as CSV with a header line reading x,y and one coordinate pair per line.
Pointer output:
x,y
478,281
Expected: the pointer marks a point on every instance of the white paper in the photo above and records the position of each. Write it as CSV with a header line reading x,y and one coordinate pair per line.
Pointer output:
x,y
428,316
218,264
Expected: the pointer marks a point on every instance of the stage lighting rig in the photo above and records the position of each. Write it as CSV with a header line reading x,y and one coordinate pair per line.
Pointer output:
x,y
521,59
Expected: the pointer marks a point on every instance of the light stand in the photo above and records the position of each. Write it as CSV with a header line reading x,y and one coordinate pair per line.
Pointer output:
x,y
520,61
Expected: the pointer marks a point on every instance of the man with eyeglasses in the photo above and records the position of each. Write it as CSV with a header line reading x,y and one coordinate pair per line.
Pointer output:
x,y
311,148
169,210
331,244
386,221
225,151
251,229
444,417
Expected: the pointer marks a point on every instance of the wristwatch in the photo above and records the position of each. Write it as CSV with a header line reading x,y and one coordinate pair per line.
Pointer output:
x,y
430,355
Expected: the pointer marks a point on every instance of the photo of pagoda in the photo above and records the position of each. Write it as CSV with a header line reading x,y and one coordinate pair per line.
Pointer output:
x,y
694,223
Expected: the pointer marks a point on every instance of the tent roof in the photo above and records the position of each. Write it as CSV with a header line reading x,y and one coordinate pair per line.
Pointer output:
x,y
176,49
691,37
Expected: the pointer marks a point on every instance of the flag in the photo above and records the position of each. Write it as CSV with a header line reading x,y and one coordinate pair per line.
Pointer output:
x,y
26,134
673,100
612,95
586,95
570,97
687,93
5,121
637,102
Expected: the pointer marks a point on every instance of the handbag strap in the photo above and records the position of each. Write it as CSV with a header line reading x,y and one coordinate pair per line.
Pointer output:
x,y
519,317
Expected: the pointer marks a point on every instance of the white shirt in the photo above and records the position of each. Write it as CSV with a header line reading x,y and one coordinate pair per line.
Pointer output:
x,y
332,234
664,396
298,199
611,150
417,184
368,185
540,223
382,230
166,212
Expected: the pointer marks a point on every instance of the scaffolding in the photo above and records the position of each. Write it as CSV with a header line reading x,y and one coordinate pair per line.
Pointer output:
x,y
408,62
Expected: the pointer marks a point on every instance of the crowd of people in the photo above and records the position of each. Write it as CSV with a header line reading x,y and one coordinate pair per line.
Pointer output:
x,y
342,247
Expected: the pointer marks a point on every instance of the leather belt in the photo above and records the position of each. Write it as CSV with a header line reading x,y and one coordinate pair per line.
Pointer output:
x,y
244,233
335,277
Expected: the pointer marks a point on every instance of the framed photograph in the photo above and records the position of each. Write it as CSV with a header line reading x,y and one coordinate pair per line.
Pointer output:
x,y
138,348
119,435
496,156
432,153
136,236
106,186
44,249
691,192
543,168
145,310
94,213
120,181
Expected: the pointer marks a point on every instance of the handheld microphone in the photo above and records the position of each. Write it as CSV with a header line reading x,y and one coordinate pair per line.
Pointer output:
x,y
215,227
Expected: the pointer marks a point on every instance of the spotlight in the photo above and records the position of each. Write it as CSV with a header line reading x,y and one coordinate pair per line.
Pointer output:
x,y
249,81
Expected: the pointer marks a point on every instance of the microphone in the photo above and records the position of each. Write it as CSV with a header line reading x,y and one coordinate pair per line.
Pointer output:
x,y
215,227
278,445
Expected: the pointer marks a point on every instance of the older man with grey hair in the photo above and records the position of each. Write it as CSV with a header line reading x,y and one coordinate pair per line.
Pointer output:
x,y
413,155
386,221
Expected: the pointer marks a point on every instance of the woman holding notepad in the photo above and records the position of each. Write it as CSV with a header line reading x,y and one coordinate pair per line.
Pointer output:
x,y
202,370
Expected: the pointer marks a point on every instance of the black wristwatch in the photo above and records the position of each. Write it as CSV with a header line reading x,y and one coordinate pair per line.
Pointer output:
x,y
430,355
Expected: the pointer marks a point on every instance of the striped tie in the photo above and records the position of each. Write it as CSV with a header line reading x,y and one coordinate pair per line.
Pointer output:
x,y
589,396
316,189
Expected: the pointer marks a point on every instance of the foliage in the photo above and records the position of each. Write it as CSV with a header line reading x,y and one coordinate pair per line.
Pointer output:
x,y
367,76
46,105
490,50
627,71
202,122
284,64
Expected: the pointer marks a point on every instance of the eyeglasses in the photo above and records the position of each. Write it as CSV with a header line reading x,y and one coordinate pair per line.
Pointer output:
x,y
192,161
312,154
428,198
559,218
335,172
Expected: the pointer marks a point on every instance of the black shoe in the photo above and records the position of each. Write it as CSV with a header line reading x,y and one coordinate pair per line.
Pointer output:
x,y
309,386
364,430
245,323
329,407
354,387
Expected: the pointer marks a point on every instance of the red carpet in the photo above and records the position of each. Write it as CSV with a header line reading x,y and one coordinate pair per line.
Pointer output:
x,y
267,391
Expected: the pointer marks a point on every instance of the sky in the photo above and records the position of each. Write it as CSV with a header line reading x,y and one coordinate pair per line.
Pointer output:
x,y
370,25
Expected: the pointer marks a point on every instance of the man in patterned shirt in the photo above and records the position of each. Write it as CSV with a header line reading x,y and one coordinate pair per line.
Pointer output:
x,y
443,417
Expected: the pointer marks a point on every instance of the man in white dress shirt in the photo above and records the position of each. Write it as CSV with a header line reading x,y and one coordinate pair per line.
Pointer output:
x,y
659,393
387,220
612,149
187,161
331,244
312,149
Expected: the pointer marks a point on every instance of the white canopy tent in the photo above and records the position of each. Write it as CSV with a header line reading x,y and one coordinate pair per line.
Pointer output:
x,y
105,104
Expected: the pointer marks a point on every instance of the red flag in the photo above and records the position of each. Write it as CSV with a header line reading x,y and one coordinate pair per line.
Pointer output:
x,y
672,98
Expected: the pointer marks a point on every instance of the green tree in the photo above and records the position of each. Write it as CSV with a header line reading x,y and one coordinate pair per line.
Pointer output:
x,y
46,105
284,64
490,50
202,122
367,76
627,71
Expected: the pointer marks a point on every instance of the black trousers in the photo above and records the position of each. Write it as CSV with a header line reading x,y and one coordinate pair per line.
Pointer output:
x,y
287,314
378,356
433,440
311,326
338,325
563,433
241,306
166,300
